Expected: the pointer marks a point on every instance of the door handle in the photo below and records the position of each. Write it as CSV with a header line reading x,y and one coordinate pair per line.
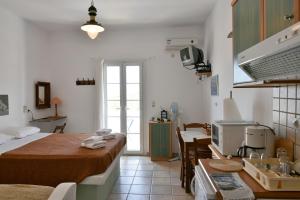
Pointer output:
x,y
288,17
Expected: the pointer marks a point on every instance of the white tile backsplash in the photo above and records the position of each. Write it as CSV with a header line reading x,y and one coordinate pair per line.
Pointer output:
x,y
282,131
276,117
283,117
292,92
283,105
275,104
276,92
298,92
290,118
291,105
283,92
298,107
287,101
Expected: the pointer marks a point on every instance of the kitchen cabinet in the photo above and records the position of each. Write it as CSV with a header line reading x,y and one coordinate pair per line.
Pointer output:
x,y
247,23
256,20
279,14
160,138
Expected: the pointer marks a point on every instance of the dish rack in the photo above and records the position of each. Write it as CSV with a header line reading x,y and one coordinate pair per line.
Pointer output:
x,y
269,179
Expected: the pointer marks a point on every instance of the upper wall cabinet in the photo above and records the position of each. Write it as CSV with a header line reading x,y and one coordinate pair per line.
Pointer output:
x,y
256,20
279,14
253,22
247,23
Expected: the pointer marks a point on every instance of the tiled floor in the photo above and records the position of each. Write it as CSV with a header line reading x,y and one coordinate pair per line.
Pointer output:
x,y
142,179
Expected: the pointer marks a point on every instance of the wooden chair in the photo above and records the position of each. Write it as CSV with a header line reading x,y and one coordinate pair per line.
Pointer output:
x,y
60,129
181,148
182,156
201,150
205,126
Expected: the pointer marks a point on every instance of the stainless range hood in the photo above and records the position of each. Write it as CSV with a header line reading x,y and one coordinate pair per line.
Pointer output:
x,y
272,62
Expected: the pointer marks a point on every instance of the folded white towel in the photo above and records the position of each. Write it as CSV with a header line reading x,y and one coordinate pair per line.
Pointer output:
x,y
92,139
109,136
103,132
94,145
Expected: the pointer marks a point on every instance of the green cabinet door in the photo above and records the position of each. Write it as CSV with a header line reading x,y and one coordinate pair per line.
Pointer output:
x,y
165,140
155,140
277,13
246,24
160,141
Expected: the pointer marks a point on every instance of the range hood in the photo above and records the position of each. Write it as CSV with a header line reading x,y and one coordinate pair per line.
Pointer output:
x,y
274,61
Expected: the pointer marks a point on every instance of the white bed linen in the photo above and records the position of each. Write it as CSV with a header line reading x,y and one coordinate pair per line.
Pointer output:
x,y
16,143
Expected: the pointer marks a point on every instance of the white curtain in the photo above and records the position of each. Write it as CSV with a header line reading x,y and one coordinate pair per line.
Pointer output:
x,y
99,118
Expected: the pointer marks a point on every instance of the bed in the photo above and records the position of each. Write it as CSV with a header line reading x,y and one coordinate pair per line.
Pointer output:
x,y
50,159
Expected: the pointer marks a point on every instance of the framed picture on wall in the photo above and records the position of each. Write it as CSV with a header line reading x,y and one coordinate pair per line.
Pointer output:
x,y
4,109
214,87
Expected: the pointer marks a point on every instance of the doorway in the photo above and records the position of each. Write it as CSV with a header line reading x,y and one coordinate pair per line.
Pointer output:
x,y
123,102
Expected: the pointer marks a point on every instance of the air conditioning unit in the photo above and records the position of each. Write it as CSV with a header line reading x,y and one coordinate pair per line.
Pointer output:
x,y
180,43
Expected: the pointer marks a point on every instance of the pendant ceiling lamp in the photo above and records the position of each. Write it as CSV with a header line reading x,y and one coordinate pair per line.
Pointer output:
x,y
92,27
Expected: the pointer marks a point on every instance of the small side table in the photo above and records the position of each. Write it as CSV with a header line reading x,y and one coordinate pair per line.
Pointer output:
x,y
48,124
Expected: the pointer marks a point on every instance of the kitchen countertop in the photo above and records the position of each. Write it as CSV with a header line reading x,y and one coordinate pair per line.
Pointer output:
x,y
258,190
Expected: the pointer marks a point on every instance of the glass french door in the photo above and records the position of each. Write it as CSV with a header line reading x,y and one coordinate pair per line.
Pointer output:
x,y
123,102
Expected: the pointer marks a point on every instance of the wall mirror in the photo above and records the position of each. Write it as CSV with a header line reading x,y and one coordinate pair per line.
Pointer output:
x,y
42,95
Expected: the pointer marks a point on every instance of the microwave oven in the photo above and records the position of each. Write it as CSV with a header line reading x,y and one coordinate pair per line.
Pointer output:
x,y
227,137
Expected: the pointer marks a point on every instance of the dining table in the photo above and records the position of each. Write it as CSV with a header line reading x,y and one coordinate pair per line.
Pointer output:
x,y
188,141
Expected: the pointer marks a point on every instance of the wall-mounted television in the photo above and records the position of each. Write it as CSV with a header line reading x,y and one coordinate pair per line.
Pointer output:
x,y
191,56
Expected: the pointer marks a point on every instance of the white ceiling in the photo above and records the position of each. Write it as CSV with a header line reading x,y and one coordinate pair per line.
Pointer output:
x,y
113,13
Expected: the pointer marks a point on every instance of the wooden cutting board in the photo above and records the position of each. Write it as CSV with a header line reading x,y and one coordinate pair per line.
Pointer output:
x,y
226,165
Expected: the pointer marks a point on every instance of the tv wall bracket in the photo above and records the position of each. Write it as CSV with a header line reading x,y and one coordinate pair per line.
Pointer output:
x,y
202,67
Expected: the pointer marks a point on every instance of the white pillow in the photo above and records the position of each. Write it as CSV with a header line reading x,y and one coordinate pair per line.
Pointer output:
x,y
22,132
4,138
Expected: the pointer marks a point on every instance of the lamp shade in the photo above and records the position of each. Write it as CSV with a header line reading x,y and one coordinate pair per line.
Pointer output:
x,y
92,35
92,27
56,101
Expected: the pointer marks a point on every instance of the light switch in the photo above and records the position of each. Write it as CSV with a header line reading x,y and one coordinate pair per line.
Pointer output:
x,y
153,104
25,109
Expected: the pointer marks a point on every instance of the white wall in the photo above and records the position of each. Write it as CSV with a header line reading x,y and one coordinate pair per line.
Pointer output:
x,y
254,104
12,58
37,66
74,55
23,61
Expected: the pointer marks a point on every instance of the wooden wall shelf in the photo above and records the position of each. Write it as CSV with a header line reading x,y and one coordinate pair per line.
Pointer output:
x,y
85,82
203,74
